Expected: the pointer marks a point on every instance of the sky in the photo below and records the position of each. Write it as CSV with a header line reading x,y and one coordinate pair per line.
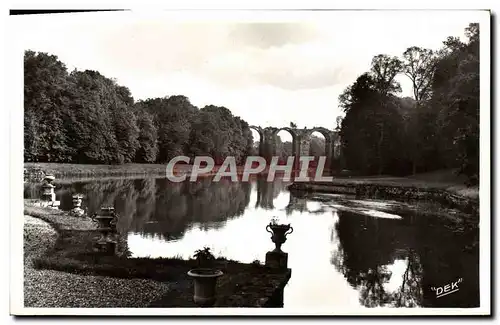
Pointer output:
x,y
268,69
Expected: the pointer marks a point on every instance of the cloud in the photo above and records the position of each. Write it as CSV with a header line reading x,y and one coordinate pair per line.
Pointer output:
x,y
268,35
290,67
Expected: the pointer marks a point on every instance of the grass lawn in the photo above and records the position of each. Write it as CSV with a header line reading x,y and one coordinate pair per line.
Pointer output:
x,y
61,170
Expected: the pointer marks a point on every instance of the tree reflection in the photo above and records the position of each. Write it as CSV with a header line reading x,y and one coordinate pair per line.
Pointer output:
x,y
297,203
410,292
447,253
157,207
268,191
435,253
367,249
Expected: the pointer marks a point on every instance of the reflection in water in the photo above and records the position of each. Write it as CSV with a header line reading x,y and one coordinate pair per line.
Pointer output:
x,y
368,249
349,255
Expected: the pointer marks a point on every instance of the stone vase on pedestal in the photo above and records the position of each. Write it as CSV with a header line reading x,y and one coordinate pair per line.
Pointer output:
x,y
77,205
48,194
49,179
277,258
106,225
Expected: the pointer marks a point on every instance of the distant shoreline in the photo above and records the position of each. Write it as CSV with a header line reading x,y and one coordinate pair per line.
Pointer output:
x,y
83,170
60,170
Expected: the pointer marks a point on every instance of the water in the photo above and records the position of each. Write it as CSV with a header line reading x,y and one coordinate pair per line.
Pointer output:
x,y
343,252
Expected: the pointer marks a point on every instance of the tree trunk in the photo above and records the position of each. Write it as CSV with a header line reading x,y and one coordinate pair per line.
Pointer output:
x,y
380,141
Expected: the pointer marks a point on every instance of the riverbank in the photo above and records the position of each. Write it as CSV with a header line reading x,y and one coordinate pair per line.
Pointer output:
x,y
439,187
73,255
36,171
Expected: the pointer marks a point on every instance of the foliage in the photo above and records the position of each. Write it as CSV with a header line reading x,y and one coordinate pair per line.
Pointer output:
x,y
383,71
204,257
437,129
85,117
419,66
276,223
47,96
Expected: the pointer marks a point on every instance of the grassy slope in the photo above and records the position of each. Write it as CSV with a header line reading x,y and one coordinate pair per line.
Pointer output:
x,y
89,170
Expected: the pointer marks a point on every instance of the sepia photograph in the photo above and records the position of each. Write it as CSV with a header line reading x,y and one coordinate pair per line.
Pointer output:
x,y
303,162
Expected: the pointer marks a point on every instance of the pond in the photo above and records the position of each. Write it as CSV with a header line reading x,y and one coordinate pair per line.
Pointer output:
x,y
343,252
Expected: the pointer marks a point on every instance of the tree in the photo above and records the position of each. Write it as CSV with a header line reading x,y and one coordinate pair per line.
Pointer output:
x,y
437,128
90,123
384,70
173,118
338,120
371,131
203,135
419,67
46,101
317,146
356,133
125,126
147,150
85,117
456,94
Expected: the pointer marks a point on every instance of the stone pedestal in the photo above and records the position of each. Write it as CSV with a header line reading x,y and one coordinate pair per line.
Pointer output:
x,y
276,259
106,247
55,204
48,204
78,212
277,299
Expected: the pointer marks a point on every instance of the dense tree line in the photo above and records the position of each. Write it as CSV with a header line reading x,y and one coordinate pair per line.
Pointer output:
x,y
438,128
85,117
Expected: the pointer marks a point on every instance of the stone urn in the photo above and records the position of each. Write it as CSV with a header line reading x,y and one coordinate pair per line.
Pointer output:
x,y
205,282
49,179
279,233
106,219
106,225
77,205
77,201
205,278
277,258
48,192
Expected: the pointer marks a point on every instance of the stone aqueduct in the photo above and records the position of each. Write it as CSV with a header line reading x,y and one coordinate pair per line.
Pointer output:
x,y
301,140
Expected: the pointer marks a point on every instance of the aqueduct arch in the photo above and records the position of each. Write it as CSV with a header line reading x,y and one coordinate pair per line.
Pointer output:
x,y
261,137
301,139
